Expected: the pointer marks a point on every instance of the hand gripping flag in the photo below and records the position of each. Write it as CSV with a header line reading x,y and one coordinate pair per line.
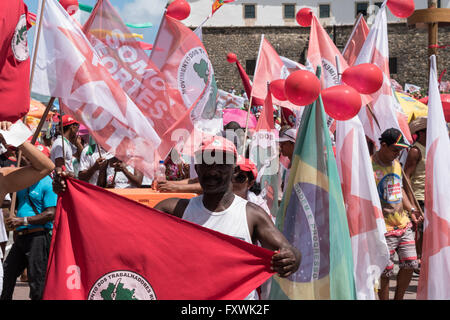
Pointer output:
x,y
264,153
385,112
107,247
312,217
14,61
364,215
435,268
68,67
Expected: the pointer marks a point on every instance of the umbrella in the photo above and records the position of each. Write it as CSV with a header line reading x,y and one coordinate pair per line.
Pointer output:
x,y
413,108
445,98
240,116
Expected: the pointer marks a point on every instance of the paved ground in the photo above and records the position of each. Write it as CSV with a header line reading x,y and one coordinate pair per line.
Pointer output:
x,y
22,290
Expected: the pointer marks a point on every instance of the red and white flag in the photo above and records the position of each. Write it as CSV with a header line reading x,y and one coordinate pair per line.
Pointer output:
x,y
356,41
323,52
184,62
435,268
269,67
14,61
107,247
129,65
364,215
387,112
247,83
68,67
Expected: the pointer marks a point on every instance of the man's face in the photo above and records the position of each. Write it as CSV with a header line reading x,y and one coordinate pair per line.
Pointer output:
x,y
287,149
390,152
74,130
215,177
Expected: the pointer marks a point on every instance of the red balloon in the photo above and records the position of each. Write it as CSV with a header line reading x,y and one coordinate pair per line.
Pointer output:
x,y
401,8
304,17
71,6
341,102
277,89
231,57
179,9
302,88
366,78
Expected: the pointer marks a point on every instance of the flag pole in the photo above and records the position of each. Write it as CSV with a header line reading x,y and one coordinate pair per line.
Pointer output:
x,y
36,45
246,124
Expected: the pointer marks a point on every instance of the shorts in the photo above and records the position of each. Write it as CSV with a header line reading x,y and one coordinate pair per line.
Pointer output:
x,y
405,246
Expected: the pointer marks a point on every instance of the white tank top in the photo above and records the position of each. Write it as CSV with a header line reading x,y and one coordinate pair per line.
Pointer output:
x,y
232,221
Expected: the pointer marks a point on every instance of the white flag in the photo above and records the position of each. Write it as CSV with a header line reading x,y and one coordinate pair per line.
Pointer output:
x,y
434,281
364,214
376,50
67,67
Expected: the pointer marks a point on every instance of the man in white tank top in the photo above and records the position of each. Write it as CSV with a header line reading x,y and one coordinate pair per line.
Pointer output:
x,y
221,210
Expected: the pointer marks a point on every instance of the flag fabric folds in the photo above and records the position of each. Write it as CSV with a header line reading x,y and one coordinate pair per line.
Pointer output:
x,y
435,268
107,247
68,67
364,215
312,217
184,62
356,41
385,112
264,153
219,3
14,61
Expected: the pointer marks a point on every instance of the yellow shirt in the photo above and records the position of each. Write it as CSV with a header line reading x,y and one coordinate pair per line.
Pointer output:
x,y
389,187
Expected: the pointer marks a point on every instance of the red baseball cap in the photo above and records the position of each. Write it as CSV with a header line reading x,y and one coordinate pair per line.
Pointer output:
x,y
68,120
216,143
247,165
41,147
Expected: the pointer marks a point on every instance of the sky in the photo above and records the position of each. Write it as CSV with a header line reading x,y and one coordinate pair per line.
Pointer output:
x,y
131,11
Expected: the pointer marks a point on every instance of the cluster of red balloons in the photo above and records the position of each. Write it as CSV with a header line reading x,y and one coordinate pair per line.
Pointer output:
x,y
179,9
341,102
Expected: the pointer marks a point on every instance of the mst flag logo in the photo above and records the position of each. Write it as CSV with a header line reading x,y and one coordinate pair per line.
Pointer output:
x,y
121,285
19,42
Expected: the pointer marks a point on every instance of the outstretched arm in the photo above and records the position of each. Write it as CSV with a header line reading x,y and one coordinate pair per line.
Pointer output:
x,y
173,206
286,259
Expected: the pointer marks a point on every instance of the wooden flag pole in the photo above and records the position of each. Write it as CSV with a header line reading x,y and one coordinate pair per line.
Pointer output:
x,y
246,125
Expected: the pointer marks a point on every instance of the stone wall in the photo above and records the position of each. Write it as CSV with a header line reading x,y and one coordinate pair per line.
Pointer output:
x,y
408,45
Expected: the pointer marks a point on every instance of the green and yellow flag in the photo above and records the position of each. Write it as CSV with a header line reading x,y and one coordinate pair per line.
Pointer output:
x,y
312,217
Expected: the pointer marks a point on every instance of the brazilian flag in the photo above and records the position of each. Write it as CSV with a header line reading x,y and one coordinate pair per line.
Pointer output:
x,y
312,217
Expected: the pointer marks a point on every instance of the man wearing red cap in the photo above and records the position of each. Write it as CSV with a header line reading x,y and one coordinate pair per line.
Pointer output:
x,y
68,146
221,210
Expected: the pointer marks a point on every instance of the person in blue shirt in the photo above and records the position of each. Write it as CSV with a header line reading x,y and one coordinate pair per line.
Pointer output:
x,y
33,224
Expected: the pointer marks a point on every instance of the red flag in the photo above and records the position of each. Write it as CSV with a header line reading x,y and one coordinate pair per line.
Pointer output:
x,y
105,246
356,41
248,85
218,3
14,61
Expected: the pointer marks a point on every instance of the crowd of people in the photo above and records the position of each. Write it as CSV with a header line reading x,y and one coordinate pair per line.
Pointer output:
x,y
230,200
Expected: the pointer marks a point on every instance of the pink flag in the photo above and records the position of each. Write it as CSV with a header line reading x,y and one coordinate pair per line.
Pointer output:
x,y
387,112
356,41
364,215
269,67
435,268
70,69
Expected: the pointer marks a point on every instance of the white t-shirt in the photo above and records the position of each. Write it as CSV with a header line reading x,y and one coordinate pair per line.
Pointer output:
x,y
87,160
69,151
121,180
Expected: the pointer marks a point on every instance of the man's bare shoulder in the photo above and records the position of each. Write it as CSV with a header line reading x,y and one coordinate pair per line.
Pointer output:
x,y
173,206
